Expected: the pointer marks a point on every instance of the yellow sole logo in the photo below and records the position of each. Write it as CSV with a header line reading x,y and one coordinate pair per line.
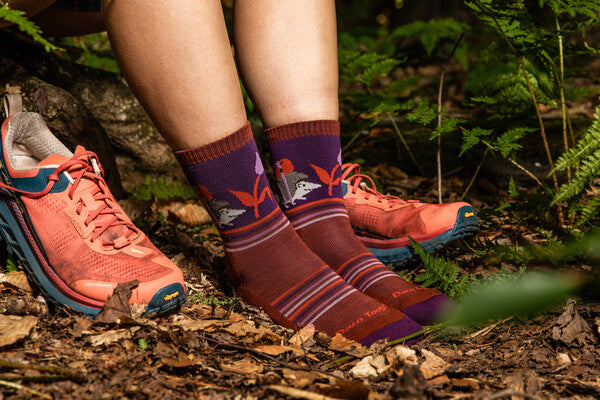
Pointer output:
x,y
170,296
469,214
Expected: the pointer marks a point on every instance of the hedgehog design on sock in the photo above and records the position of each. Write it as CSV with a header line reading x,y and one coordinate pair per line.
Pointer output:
x,y
293,185
219,210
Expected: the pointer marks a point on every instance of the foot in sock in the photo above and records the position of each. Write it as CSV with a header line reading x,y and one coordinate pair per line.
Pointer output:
x,y
267,263
307,164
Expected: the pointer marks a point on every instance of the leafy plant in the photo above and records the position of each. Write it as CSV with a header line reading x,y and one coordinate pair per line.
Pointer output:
x,y
163,189
530,294
10,265
584,158
232,303
440,273
18,18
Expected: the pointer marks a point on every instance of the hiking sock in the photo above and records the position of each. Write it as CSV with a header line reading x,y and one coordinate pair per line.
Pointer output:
x,y
267,263
307,164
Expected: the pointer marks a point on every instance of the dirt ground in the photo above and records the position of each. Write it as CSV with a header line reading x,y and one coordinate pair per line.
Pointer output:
x,y
219,348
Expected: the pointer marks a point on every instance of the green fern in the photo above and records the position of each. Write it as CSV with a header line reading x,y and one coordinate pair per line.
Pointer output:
x,y
440,273
584,158
162,189
508,144
471,137
18,18
432,32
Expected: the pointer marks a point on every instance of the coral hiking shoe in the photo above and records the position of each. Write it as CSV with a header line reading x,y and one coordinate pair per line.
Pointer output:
x,y
384,223
58,217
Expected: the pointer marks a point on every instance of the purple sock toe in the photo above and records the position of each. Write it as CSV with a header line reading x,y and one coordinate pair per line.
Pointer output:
x,y
428,311
393,331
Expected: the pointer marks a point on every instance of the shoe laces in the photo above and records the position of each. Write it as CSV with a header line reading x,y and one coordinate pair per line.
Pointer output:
x,y
107,217
356,180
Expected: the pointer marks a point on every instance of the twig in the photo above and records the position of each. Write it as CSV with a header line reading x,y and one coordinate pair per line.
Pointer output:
x,y
511,392
561,87
25,389
522,168
45,368
351,142
439,118
474,175
488,329
395,342
37,378
405,143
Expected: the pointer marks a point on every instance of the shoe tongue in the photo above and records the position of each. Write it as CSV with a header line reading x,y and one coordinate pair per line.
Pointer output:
x,y
86,184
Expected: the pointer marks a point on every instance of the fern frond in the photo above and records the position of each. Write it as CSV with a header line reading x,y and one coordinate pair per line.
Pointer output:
x,y
440,272
18,18
589,211
471,137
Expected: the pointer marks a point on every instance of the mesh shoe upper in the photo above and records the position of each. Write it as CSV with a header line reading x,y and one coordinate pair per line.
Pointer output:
x,y
386,216
87,238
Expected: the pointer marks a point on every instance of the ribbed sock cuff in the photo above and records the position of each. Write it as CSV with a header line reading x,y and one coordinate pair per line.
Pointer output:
x,y
302,129
215,149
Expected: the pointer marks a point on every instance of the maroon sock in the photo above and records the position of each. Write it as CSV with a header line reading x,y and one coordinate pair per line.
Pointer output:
x,y
267,263
307,163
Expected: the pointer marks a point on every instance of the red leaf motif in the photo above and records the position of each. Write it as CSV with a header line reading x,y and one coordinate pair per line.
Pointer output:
x,y
323,175
264,192
245,198
337,180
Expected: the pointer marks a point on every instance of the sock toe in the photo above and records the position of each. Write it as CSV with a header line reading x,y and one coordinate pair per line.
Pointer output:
x,y
430,310
393,331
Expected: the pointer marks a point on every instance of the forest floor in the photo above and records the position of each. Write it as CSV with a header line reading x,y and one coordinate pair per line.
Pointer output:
x,y
217,347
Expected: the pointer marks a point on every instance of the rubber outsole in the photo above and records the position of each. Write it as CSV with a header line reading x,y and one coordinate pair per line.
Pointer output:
x,y
13,235
466,225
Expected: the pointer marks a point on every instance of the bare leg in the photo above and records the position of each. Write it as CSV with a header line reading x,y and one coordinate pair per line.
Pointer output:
x,y
287,52
176,57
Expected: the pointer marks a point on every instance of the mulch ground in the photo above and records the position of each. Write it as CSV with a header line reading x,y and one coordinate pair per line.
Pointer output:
x,y
217,347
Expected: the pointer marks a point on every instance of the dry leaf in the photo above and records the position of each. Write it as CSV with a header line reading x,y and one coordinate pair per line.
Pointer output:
x,y
245,366
13,328
190,214
302,379
109,337
275,349
345,345
17,279
355,390
304,337
439,380
401,355
298,393
363,369
208,325
433,362
571,329
117,305
468,384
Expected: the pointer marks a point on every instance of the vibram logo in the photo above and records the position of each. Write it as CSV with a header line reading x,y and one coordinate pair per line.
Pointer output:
x,y
469,214
171,296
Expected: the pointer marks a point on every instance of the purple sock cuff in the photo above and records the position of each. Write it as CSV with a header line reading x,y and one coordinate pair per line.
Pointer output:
x,y
302,129
215,149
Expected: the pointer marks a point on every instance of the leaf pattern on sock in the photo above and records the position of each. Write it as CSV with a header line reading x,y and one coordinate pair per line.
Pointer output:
x,y
253,199
328,178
